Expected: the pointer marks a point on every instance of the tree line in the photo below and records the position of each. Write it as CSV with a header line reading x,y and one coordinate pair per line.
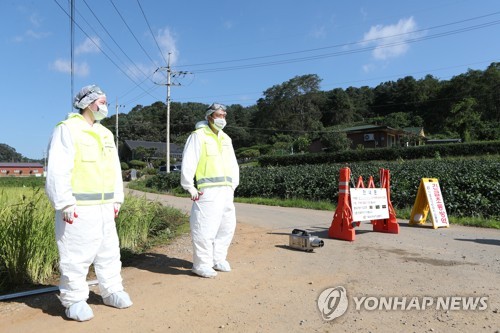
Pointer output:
x,y
297,111
291,115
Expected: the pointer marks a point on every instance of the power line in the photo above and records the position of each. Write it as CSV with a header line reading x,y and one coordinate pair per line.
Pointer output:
x,y
137,68
100,49
112,38
347,52
343,45
286,61
350,44
151,31
132,33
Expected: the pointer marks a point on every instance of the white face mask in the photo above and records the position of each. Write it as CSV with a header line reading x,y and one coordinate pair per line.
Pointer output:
x,y
219,123
101,113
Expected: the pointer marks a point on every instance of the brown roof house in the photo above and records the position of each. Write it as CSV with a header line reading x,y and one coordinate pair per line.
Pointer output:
x,y
380,136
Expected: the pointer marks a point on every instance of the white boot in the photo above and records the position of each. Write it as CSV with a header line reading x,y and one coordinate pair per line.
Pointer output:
x,y
222,266
120,300
80,311
206,272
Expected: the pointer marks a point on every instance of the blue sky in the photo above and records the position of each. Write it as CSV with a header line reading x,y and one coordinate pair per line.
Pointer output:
x,y
232,51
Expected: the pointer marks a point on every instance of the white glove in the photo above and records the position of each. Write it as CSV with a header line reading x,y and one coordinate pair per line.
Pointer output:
x,y
69,212
195,195
117,207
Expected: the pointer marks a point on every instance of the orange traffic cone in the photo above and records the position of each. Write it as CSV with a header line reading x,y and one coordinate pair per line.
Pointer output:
x,y
342,226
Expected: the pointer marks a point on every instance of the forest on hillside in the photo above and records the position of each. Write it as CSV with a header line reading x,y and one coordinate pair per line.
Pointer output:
x,y
297,112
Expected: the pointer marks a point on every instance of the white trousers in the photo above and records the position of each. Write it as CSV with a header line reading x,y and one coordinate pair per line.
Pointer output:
x,y
212,222
92,238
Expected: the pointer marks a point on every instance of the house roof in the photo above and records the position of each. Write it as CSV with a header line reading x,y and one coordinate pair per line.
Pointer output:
x,y
364,128
415,130
20,165
159,146
368,127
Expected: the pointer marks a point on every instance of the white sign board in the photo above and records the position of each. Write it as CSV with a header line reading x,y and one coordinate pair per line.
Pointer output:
x,y
369,204
436,204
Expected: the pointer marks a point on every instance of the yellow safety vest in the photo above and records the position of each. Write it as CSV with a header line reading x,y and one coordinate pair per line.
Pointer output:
x,y
93,178
215,165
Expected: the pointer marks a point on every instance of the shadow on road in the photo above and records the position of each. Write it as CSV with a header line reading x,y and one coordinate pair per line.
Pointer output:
x,y
481,241
321,232
159,263
49,303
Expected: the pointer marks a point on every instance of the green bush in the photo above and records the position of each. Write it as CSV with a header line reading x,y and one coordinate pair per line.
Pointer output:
x,y
470,187
387,154
165,182
149,171
136,164
249,153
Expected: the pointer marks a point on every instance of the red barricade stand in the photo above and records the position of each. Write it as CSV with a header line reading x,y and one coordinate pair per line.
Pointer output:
x,y
389,225
360,183
342,227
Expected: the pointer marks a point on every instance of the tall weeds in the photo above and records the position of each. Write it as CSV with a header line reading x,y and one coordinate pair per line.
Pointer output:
x,y
28,250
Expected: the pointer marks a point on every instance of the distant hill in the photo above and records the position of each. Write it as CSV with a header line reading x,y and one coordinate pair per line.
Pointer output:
x,y
9,154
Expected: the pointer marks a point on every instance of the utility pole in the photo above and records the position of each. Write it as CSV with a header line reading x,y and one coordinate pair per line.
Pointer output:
x,y
44,163
167,157
169,83
116,129
72,47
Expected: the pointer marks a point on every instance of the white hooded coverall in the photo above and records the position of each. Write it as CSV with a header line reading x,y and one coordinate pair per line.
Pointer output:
x,y
92,237
213,216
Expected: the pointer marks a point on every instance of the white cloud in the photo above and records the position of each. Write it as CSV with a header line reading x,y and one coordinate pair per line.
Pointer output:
x,y
167,43
64,66
36,35
368,68
391,40
364,13
318,32
35,20
30,34
89,45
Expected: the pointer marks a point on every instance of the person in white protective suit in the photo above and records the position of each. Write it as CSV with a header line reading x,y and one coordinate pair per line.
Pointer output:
x,y
84,185
209,158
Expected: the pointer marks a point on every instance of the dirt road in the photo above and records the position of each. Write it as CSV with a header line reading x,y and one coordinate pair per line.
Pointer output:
x,y
273,288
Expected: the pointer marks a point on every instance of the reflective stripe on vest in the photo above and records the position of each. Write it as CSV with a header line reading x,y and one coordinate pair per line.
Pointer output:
x,y
216,155
95,196
93,176
214,180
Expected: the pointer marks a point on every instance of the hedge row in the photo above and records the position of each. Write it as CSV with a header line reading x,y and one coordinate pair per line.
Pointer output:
x,y
13,181
470,187
387,154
